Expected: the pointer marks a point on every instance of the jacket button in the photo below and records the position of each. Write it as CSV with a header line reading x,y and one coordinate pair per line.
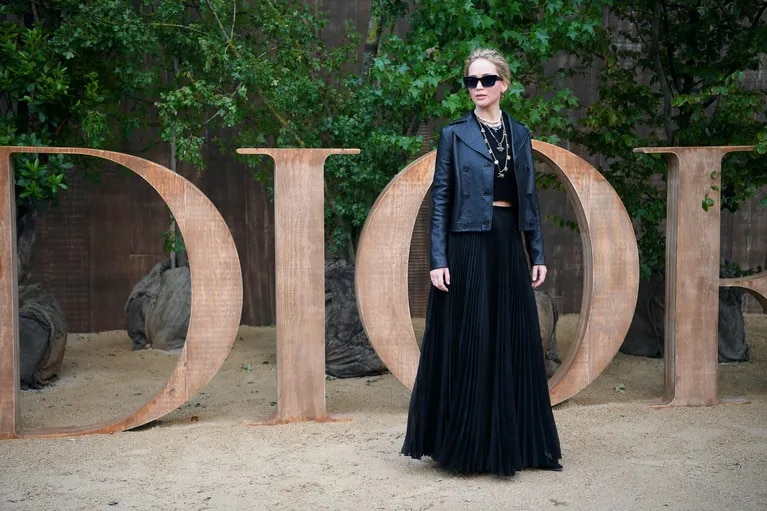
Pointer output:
x,y
465,168
486,193
465,195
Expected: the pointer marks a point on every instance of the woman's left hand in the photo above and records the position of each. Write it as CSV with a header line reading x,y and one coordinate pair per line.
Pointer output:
x,y
539,275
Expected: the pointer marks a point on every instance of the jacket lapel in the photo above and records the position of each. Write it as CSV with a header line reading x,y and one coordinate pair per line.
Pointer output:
x,y
513,139
468,131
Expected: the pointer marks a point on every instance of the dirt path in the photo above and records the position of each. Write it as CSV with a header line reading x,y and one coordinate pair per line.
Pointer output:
x,y
619,453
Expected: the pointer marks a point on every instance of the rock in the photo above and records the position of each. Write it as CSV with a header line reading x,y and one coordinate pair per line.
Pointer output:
x,y
159,307
348,352
732,327
547,320
646,333
42,336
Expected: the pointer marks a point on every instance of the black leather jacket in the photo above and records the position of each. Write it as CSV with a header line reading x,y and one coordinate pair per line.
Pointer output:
x,y
462,190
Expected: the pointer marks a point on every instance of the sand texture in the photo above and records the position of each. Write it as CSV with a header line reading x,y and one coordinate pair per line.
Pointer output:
x,y
619,452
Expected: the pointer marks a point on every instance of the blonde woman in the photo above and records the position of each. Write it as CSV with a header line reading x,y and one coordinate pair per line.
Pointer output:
x,y
480,401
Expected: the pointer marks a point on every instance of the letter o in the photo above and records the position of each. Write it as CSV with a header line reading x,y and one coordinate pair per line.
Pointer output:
x,y
609,248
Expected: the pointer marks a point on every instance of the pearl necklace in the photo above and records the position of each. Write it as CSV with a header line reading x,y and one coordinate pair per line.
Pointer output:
x,y
488,121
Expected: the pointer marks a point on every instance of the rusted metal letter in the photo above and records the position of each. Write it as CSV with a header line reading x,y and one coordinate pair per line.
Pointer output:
x,y
299,215
216,293
692,273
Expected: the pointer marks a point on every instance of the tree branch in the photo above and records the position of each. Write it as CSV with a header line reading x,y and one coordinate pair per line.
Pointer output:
x,y
655,52
759,14
230,44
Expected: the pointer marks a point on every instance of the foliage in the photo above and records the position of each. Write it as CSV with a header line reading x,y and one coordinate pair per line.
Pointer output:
x,y
676,75
413,82
242,73
265,69
60,85
421,73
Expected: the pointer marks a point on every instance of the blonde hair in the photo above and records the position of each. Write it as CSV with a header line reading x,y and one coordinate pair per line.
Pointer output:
x,y
495,57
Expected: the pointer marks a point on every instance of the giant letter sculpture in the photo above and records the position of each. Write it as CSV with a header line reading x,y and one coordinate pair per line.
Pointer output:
x,y
611,270
216,294
692,273
299,215
609,292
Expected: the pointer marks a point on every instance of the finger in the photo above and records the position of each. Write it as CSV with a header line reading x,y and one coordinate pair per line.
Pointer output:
x,y
535,275
447,277
442,285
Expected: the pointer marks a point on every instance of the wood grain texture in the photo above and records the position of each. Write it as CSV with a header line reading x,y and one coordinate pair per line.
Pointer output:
x,y
9,301
692,273
611,271
299,218
381,274
216,294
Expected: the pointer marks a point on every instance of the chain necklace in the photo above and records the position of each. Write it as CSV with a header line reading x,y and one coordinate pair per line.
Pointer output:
x,y
499,143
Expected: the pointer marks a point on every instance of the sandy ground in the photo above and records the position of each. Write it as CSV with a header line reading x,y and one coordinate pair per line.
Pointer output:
x,y
619,452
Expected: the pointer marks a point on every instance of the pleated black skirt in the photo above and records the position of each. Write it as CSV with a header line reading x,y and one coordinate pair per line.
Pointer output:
x,y
481,401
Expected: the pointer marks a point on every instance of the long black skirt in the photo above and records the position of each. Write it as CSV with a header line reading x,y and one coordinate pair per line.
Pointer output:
x,y
481,401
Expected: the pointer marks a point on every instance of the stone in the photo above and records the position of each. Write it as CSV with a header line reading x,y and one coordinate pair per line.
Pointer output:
x,y
42,337
348,352
159,307
547,320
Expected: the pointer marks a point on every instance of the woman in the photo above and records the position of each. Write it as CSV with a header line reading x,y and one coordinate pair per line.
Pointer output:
x,y
480,401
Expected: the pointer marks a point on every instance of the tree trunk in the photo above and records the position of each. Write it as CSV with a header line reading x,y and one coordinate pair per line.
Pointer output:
x,y
26,228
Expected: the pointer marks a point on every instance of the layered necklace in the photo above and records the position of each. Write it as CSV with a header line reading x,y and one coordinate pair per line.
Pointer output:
x,y
499,149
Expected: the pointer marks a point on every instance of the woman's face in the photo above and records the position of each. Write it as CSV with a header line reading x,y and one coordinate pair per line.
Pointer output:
x,y
485,97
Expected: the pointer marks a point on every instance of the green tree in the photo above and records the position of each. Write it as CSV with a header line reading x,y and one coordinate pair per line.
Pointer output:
x,y
64,83
412,82
88,73
677,74
59,88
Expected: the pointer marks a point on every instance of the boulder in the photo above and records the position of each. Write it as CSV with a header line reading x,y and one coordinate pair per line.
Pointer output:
x,y
159,307
547,320
646,333
348,352
42,336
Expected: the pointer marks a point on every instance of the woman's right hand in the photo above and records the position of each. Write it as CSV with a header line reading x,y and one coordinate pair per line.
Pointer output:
x,y
440,278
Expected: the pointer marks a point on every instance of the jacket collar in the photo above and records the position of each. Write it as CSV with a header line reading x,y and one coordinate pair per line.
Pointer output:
x,y
467,129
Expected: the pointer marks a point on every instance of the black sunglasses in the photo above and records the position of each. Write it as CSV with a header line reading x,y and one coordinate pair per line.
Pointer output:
x,y
487,81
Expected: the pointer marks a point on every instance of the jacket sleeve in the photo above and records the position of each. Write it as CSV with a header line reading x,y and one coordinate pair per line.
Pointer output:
x,y
533,234
442,199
